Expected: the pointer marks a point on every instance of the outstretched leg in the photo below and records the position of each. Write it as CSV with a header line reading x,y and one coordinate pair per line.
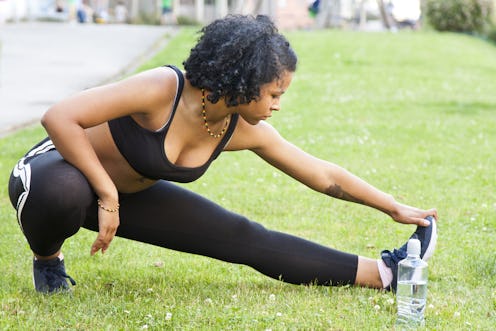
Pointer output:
x,y
170,216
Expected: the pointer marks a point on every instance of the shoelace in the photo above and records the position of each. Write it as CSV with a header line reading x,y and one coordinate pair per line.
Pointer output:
x,y
55,276
396,255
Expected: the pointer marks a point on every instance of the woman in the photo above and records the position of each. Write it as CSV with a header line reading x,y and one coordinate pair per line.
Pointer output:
x,y
113,151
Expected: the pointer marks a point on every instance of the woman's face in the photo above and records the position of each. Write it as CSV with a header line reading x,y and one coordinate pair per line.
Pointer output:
x,y
269,101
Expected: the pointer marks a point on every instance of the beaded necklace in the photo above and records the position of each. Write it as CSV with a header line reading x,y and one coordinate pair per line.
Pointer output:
x,y
204,115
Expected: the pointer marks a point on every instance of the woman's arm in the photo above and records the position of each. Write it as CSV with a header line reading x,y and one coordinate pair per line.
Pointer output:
x,y
323,176
67,120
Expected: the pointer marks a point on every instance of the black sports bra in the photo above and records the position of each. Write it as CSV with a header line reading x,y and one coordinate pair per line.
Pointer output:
x,y
144,149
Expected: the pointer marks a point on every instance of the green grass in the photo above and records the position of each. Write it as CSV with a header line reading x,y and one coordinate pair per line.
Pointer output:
x,y
412,113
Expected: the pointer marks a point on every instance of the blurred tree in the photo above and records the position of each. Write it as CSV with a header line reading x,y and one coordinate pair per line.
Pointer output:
x,y
329,14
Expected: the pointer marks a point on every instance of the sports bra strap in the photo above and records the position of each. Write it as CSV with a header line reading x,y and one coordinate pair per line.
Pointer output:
x,y
180,82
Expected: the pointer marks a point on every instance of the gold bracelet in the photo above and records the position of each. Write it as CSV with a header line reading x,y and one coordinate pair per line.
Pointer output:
x,y
100,204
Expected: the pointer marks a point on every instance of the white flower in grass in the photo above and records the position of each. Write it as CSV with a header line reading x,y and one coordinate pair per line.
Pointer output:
x,y
158,264
208,301
377,307
144,327
272,297
278,314
168,316
456,314
390,301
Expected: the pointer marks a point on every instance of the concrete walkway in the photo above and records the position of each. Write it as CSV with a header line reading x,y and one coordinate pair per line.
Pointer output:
x,y
41,63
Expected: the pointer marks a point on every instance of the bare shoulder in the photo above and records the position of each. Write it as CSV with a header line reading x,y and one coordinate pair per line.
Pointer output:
x,y
154,84
253,137
154,92
157,84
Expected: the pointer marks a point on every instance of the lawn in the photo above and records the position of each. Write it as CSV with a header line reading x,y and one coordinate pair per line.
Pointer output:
x,y
412,113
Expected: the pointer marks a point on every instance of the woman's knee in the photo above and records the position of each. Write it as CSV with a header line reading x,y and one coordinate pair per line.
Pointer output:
x,y
48,191
61,185
243,230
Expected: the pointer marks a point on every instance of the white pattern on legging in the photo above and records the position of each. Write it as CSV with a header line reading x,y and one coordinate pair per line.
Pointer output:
x,y
23,171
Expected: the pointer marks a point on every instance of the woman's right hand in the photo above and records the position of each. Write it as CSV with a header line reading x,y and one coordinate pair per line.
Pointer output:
x,y
410,215
108,222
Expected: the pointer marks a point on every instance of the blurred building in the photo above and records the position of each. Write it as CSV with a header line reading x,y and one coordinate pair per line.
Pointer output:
x,y
287,13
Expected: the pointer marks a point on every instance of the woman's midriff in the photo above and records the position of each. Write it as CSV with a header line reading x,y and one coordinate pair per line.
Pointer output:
x,y
125,178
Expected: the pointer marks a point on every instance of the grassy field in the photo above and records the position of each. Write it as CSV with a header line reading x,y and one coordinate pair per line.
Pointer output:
x,y
412,113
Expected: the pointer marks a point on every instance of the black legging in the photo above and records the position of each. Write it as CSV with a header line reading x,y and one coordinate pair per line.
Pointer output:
x,y
53,200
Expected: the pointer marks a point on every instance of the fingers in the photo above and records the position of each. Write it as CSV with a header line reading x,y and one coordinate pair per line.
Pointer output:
x,y
418,221
97,245
424,222
108,224
433,213
100,244
431,216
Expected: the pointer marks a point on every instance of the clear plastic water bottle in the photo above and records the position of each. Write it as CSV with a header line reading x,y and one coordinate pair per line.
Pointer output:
x,y
411,293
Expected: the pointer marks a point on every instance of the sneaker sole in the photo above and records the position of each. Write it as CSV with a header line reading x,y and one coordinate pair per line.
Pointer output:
x,y
432,243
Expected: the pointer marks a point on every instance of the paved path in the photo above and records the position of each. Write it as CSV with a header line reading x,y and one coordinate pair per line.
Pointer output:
x,y
41,63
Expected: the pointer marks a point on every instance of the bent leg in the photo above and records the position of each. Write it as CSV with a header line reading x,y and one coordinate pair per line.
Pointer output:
x,y
52,199
169,216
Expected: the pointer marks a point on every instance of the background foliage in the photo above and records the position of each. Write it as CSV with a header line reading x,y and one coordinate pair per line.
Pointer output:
x,y
471,16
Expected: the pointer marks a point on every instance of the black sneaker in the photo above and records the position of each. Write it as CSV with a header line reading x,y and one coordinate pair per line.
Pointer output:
x,y
426,235
49,276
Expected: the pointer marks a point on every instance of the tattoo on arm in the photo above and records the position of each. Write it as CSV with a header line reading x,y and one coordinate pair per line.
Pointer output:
x,y
337,192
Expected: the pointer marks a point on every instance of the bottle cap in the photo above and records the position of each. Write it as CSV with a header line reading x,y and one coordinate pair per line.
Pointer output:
x,y
413,247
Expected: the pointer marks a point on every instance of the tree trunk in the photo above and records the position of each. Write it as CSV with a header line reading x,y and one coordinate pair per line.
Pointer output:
x,y
386,20
329,14
221,8
200,11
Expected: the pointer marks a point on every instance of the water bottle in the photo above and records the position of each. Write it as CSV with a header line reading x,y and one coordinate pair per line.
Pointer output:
x,y
411,293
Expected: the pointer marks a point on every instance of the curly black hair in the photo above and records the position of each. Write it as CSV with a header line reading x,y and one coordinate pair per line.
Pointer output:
x,y
235,55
